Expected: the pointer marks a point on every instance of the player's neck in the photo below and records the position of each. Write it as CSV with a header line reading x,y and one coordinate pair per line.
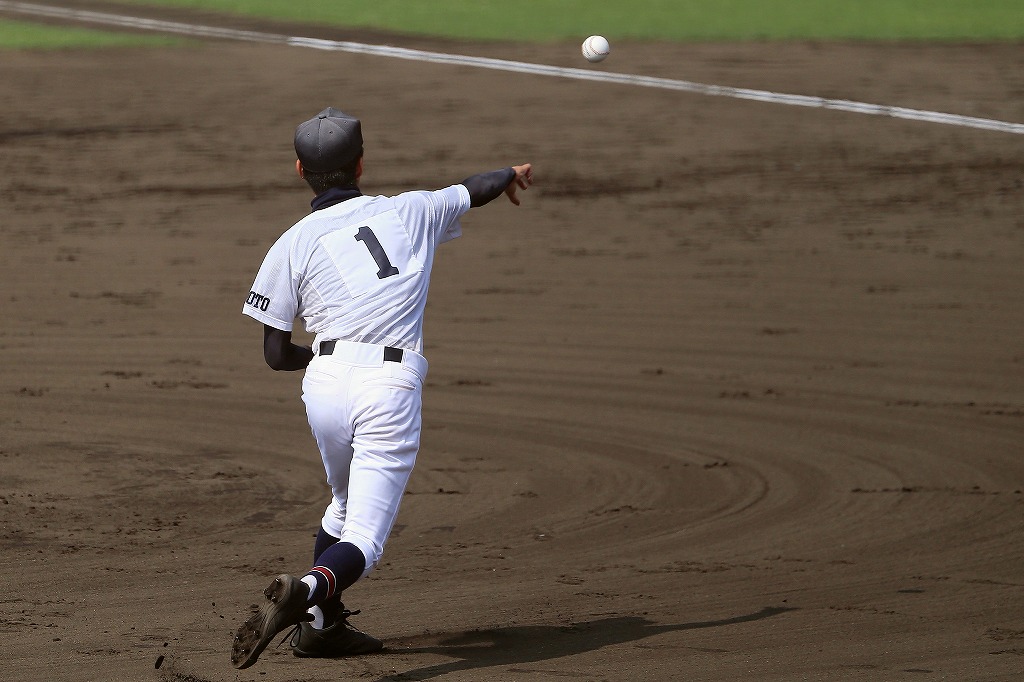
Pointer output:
x,y
334,195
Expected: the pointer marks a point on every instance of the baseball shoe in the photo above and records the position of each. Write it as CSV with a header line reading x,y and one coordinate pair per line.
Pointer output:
x,y
285,606
336,641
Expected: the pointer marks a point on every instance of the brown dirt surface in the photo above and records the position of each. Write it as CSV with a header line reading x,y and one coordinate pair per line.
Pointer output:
x,y
737,393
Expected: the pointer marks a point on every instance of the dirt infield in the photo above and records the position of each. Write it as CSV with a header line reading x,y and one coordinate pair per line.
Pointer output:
x,y
736,394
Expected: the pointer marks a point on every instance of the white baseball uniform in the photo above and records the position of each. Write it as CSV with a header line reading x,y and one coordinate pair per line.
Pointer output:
x,y
357,273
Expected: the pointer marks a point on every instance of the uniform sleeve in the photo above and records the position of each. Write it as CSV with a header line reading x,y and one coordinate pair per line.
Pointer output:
x,y
439,211
455,202
273,299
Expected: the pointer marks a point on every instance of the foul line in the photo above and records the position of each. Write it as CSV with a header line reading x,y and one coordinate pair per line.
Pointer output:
x,y
505,65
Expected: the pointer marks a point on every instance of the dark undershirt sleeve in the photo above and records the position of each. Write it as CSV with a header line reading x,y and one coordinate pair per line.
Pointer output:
x,y
485,187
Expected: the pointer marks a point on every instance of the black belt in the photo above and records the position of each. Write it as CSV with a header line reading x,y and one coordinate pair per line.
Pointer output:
x,y
390,354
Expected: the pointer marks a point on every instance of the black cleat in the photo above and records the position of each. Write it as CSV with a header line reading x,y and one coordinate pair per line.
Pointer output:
x,y
285,606
336,641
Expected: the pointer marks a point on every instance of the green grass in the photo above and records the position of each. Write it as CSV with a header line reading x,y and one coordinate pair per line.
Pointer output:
x,y
675,20
551,20
24,35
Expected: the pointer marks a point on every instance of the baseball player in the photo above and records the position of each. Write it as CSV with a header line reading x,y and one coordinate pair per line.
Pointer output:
x,y
356,270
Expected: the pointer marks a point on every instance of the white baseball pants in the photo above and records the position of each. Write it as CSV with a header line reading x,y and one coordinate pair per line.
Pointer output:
x,y
365,415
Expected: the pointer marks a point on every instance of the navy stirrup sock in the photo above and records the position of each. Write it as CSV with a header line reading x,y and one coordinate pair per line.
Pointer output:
x,y
323,541
336,568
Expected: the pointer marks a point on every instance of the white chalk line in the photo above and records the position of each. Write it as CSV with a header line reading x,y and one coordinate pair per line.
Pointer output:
x,y
513,66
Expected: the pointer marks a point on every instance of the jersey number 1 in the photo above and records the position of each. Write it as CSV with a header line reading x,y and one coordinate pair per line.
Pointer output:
x,y
370,241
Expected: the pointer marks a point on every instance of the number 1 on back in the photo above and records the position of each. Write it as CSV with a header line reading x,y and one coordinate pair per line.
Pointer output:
x,y
369,239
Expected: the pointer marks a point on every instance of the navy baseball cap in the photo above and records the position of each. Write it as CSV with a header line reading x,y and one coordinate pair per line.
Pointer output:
x,y
328,141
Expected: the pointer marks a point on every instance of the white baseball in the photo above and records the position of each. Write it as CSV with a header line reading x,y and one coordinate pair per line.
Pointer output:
x,y
596,48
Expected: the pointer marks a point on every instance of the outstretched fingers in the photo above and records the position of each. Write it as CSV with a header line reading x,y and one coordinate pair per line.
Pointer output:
x,y
522,180
524,175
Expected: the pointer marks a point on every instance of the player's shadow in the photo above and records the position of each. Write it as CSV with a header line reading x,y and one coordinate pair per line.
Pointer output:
x,y
530,644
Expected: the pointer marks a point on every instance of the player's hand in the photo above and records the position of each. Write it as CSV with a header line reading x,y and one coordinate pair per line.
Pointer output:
x,y
522,180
